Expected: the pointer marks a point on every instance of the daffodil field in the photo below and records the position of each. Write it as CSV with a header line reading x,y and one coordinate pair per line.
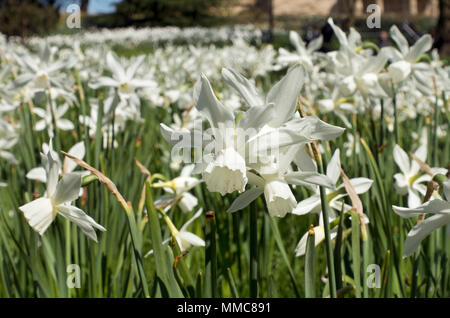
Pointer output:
x,y
205,163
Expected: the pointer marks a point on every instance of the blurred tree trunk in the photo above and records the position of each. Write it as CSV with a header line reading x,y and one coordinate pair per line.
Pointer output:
x,y
84,6
350,7
443,28
271,18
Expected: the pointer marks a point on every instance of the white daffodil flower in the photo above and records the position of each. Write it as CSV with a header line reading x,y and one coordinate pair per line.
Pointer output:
x,y
226,172
184,238
42,71
358,71
319,236
351,42
312,204
5,146
41,212
440,210
123,80
303,55
270,127
337,105
179,190
410,180
405,59
46,120
8,139
350,144
273,180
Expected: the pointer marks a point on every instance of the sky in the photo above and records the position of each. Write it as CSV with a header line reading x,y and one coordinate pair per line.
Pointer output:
x,y
101,6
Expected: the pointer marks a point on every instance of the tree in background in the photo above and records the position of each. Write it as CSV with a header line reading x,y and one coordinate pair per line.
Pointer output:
x,y
350,9
84,6
27,17
169,12
443,28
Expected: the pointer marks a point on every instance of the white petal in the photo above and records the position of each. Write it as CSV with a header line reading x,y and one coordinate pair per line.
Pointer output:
x,y
142,83
361,185
37,174
64,124
68,189
401,159
114,65
183,184
133,67
103,82
81,219
421,46
399,71
40,125
334,167
413,199
243,86
284,95
421,153
401,184
78,151
342,38
208,104
319,236
309,205
186,239
188,202
304,161
435,206
192,219
446,186
52,167
299,178
39,214
399,39
256,117
422,230
279,198
227,173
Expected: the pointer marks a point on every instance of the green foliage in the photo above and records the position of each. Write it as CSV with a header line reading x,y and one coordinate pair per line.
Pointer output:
x,y
168,12
27,17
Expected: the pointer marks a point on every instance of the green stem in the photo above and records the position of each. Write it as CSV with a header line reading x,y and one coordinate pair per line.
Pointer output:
x,y
310,291
435,138
253,250
394,101
210,256
326,224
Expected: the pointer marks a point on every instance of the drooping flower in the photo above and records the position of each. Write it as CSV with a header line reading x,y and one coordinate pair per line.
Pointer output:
x,y
440,210
41,212
184,238
178,189
410,180
312,204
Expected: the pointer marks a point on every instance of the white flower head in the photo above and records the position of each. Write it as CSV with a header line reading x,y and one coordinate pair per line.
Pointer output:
x,y
41,212
440,210
227,173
